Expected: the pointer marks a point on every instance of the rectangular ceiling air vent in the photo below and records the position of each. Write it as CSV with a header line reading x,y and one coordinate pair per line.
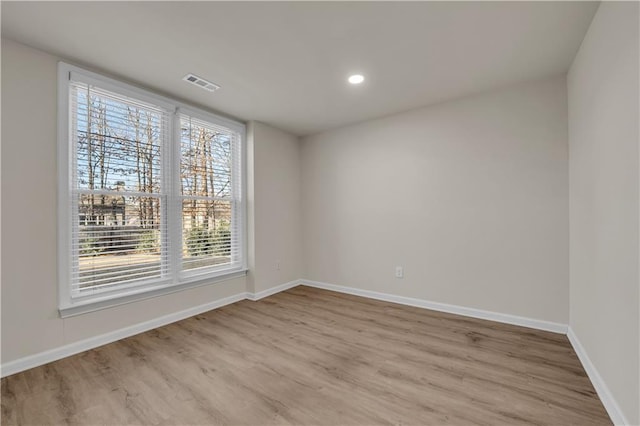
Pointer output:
x,y
201,82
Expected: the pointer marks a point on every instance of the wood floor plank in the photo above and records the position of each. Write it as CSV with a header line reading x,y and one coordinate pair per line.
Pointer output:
x,y
314,357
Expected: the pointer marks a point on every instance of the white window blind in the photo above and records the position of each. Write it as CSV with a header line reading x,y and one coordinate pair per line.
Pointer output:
x,y
147,207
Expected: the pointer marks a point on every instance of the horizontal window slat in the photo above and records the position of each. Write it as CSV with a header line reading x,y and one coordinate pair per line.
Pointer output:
x,y
91,281
99,230
108,269
121,253
117,283
96,275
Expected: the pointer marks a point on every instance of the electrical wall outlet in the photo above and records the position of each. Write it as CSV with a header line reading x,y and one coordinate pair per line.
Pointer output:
x,y
399,272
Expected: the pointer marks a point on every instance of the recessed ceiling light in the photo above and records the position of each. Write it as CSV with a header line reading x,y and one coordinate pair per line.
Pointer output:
x,y
356,79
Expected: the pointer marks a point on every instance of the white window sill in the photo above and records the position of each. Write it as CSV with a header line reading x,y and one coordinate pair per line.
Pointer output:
x,y
86,306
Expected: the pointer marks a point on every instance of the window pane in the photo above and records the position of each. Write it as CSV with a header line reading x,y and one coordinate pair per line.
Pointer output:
x,y
117,142
206,233
205,164
118,240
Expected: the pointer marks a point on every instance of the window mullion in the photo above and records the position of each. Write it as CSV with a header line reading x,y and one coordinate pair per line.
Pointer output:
x,y
175,212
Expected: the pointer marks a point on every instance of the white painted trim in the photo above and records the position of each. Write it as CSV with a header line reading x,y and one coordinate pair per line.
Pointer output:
x,y
146,293
35,360
443,307
273,290
45,357
609,402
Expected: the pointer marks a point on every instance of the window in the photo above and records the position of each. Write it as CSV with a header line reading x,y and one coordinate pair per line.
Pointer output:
x,y
151,194
207,188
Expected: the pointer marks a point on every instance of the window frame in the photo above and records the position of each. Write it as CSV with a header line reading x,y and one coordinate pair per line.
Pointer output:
x,y
69,305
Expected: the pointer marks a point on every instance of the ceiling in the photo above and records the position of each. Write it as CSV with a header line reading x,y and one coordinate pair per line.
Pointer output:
x,y
286,63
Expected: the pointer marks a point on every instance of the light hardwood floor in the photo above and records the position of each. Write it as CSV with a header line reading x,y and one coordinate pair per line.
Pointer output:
x,y
314,357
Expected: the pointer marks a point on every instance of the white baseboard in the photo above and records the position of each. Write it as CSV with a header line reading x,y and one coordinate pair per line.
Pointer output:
x,y
609,402
443,307
273,290
31,361
55,354
605,395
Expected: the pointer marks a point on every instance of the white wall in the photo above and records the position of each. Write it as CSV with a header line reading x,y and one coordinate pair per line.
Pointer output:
x,y
30,321
470,196
274,207
603,138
